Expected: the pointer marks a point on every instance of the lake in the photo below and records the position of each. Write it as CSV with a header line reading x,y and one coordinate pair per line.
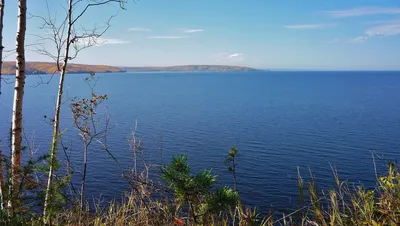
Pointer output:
x,y
278,120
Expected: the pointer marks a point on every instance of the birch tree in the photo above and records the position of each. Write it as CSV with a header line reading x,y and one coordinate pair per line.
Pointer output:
x,y
1,38
2,188
2,182
16,136
69,38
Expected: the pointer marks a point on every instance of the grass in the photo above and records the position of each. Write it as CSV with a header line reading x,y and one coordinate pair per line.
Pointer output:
x,y
350,205
182,197
343,205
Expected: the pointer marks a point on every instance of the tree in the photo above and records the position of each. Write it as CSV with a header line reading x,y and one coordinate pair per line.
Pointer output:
x,y
231,161
69,38
2,184
86,121
16,136
1,37
195,191
2,188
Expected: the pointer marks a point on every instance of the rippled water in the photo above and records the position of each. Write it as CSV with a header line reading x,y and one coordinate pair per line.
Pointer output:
x,y
278,120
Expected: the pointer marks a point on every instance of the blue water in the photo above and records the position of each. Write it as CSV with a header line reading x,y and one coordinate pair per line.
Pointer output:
x,y
278,120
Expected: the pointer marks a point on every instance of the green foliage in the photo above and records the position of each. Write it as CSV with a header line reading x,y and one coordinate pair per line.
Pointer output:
x,y
196,190
231,162
221,200
349,205
197,201
187,188
203,182
59,198
232,153
31,190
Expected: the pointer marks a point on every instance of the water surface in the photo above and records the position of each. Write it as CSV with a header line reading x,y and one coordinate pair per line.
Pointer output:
x,y
278,120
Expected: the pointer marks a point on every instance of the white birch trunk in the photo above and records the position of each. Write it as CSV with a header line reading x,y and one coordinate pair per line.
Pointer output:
x,y
16,138
2,182
1,38
56,125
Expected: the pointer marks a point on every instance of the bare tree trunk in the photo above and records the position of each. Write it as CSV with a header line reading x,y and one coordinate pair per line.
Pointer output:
x,y
56,126
1,38
234,174
2,184
16,139
71,40
85,151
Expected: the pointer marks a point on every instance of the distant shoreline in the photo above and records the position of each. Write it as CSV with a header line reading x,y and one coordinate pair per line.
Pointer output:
x,y
50,68
190,68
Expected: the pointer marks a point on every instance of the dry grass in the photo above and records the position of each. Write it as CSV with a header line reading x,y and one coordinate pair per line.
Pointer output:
x,y
344,205
133,211
350,205
154,203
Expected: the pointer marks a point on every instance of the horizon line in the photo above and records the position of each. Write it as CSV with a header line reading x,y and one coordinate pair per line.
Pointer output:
x,y
257,68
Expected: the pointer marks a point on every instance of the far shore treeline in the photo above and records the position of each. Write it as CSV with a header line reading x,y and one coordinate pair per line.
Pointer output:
x,y
50,68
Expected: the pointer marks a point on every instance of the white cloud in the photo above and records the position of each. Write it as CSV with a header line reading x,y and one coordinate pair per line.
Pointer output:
x,y
166,37
100,41
139,29
362,11
308,26
358,39
235,55
110,41
193,30
384,30
229,57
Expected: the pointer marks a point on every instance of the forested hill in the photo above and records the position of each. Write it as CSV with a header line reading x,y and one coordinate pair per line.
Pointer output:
x,y
190,68
50,68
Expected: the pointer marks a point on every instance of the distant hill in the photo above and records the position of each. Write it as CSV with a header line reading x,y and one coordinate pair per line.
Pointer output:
x,y
50,68
215,68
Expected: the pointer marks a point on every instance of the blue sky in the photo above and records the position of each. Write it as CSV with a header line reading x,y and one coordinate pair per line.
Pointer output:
x,y
356,34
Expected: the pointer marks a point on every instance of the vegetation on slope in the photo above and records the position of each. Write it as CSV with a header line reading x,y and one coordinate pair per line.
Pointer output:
x,y
51,68
182,198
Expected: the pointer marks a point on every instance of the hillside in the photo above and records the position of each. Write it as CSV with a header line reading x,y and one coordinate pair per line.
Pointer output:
x,y
190,68
50,68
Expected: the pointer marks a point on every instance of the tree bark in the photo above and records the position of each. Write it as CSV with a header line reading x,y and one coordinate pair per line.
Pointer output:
x,y
85,151
1,38
16,137
2,182
3,203
234,174
56,125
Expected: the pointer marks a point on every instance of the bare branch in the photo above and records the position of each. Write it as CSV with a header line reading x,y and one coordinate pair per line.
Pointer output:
x,y
42,80
68,37
81,37
121,2
8,80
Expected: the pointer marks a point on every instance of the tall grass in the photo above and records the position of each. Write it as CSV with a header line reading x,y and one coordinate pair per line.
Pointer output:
x,y
347,204
182,197
343,205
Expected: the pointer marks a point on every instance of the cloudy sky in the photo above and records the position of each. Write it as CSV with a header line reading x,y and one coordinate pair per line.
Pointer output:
x,y
308,34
